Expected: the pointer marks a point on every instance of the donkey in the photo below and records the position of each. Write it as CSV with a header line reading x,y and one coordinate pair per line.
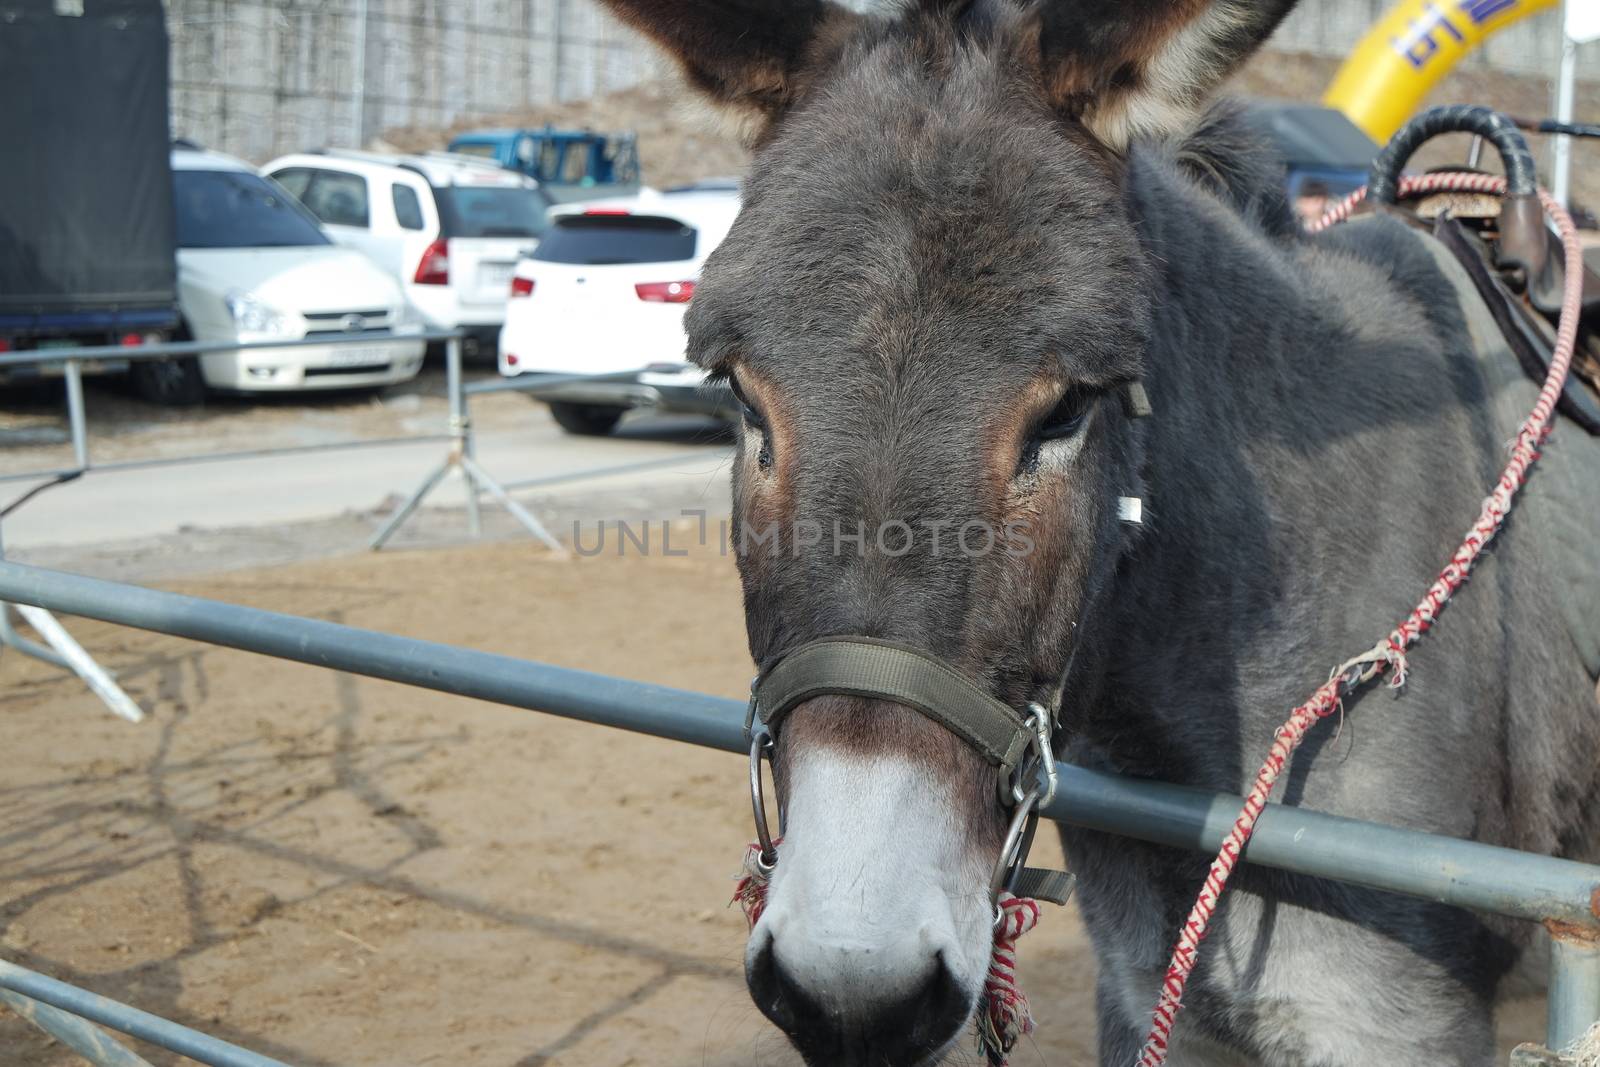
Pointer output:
x,y
967,226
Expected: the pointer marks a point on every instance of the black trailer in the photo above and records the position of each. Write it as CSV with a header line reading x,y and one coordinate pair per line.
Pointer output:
x,y
87,246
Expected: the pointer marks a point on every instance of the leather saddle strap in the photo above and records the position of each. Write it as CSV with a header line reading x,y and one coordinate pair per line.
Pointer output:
x,y
866,667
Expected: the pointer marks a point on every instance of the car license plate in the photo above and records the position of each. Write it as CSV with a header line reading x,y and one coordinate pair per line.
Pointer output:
x,y
495,275
359,356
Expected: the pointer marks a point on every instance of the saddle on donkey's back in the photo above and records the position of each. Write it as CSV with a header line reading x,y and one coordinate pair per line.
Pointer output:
x,y
1506,271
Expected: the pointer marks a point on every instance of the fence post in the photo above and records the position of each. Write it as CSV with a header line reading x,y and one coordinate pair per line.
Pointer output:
x,y
75,417
1574,996
64,652
461,433
462,457
86,1039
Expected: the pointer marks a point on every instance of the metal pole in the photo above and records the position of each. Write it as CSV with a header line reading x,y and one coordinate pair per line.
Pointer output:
x,y
66,654
556,38
11,639
473,472
131,1021
358,90
85,1039
96,677
1451,871
403,512
1574,997
461,433
1561,144
75,416
462,457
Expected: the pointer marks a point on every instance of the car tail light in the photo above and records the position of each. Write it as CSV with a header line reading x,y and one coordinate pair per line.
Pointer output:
x,y
130,340
665,292
434,267
521,287
606,211
5,346
511,359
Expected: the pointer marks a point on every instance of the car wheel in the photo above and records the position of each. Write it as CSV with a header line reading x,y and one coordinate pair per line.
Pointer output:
x,y
170,382
590,420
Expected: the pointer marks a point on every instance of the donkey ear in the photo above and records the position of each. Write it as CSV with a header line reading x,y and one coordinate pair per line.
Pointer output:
x,y
746,55
1129,68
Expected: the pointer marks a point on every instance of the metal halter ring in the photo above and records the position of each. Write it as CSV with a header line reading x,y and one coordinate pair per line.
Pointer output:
x,y
767,858
1015,850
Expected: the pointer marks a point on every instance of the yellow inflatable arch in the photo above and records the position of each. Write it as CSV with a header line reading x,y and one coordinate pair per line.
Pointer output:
x,y
1415,45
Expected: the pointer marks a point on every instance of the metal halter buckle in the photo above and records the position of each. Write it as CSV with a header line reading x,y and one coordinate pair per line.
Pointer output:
x,y
1043,761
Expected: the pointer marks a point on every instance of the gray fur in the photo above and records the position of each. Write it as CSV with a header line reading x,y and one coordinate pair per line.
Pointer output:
x,y
924,237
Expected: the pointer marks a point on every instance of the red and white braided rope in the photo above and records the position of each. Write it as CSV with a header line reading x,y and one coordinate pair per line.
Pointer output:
x,y
1004,1018
1389,652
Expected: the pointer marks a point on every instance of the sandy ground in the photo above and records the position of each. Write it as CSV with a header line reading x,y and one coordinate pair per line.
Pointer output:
x,y
333,870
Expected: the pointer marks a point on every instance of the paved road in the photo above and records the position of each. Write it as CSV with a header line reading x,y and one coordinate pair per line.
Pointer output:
x,y
679,459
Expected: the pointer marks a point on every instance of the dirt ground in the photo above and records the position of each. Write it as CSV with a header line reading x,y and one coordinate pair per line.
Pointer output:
x,y
333,870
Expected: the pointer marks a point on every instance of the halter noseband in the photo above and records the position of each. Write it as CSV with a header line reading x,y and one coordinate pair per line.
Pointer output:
x,y
1018,747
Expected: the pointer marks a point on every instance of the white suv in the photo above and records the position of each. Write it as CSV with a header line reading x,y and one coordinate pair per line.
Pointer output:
x,y
605,292
254,266
449,227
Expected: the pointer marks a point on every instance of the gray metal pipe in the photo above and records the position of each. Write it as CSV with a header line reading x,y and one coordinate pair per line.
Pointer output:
x,y
229,457
1447,870
654,709
536,383
131,1021
77,422
1574,997
136,353
86,1039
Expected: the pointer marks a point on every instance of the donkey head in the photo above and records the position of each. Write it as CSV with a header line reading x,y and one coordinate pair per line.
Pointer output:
x,y
929,305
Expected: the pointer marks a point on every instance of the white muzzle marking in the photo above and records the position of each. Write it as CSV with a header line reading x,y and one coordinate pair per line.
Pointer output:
x,y
875,881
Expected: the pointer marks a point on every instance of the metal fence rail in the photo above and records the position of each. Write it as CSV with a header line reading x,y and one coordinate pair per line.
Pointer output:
x,y
64,1002
1560,893
66,652
71,361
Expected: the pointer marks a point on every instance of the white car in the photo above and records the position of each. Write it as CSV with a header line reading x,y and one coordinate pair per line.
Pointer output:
x,y
253,266
605,292
449,227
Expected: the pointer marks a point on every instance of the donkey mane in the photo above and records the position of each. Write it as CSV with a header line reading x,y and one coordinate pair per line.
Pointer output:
x,y
1228,158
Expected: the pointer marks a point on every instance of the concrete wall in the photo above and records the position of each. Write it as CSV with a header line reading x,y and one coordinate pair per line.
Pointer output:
x,y
260,77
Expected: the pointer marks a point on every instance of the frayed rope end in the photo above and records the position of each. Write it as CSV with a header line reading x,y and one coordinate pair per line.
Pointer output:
x,y
750,889
1004,1018
1586,1052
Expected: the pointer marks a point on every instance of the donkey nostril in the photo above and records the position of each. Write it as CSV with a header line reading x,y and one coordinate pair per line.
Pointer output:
x,y
898,1029
938,1009
772,989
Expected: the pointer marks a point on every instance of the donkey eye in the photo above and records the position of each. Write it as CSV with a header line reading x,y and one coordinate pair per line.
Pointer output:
x,y
756,422
747,409
1068,416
